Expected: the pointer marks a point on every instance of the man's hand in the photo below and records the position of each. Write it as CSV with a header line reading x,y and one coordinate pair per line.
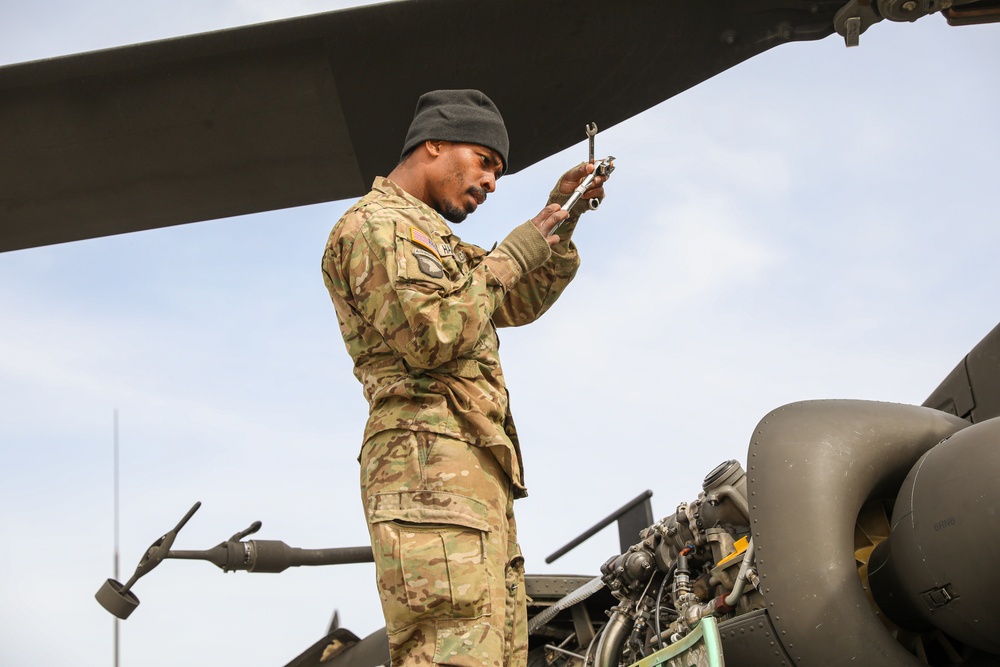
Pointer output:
x,y
572,178
547,220
551,216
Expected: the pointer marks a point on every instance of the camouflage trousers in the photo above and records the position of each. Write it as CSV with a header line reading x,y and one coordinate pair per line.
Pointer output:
x,y
450,573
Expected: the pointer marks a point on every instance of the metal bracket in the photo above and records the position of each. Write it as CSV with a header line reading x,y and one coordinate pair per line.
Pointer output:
x,y
907,10
853,19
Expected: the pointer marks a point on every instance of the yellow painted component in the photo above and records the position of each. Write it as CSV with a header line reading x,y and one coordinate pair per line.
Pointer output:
x,y
740,546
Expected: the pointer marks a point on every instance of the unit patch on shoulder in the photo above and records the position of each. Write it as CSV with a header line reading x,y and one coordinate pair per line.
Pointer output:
x,y
429,264
445,249
420,238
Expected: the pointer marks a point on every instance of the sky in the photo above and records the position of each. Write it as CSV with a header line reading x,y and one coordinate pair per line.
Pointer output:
x,y
818,222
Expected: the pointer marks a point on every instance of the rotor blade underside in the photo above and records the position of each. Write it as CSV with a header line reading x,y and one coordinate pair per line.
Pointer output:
x,y
311,109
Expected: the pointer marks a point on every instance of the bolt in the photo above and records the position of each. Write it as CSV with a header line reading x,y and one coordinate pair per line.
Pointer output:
x,y
909,6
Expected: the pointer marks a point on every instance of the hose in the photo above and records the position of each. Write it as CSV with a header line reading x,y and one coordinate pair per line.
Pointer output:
x,y
659,601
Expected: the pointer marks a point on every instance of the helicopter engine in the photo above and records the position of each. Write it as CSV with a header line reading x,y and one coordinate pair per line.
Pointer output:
x,y
835,547
693,563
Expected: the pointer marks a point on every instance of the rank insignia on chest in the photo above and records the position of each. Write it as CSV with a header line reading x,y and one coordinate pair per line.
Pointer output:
x,y
421,238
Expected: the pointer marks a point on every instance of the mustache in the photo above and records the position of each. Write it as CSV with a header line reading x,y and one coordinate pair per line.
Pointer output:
x,y
479,193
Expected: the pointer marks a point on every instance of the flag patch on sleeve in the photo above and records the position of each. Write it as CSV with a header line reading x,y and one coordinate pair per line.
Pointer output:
x,y
420,238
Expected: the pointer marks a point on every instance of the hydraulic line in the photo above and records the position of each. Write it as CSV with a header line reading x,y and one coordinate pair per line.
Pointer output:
x,y
667,579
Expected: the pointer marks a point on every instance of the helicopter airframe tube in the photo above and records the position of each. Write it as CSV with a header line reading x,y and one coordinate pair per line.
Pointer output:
x,y
811,467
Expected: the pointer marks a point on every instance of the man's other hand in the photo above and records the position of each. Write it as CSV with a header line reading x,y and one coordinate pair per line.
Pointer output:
x,y
547,220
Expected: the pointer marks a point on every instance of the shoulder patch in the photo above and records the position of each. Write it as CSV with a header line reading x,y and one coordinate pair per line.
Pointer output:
x,y
429,264
420,238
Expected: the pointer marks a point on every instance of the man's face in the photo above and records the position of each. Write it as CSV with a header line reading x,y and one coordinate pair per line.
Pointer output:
x,y
463,175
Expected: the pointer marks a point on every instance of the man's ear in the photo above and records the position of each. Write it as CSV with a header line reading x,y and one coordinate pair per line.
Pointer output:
x,y
434,146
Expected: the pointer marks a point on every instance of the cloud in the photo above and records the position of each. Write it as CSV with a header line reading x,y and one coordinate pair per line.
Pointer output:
x,y
699,249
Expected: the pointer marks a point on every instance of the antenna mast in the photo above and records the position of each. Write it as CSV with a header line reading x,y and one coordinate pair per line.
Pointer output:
x,y
116,528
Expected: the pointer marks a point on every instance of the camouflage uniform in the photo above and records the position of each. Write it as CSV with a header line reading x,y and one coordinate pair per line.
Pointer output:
x,y
418,309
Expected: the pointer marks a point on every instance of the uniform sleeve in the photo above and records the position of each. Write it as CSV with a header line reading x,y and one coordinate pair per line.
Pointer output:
x,y
537,290
421,305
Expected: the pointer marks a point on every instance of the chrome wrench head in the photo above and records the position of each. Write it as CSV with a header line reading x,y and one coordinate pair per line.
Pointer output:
x,y
591,130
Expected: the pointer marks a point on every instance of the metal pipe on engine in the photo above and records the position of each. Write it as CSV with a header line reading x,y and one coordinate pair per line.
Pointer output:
x,y
741,578
618,629
734,496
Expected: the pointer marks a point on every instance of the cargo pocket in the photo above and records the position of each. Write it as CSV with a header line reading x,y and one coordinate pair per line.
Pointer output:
x,y
430,549
474,645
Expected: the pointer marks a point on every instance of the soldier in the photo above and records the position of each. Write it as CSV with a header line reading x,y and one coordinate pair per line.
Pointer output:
x,y
418,309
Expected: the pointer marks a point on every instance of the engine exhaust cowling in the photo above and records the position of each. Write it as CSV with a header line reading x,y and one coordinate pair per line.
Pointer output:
x,y
938,568
811,467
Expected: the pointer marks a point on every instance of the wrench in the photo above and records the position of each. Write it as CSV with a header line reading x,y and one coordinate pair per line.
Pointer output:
x,y
602,168
591,133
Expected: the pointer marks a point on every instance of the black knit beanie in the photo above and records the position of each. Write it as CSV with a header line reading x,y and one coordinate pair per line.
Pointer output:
x,y
464,116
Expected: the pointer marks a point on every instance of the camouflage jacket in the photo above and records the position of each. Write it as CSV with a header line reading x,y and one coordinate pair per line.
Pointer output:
x,y
418,309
